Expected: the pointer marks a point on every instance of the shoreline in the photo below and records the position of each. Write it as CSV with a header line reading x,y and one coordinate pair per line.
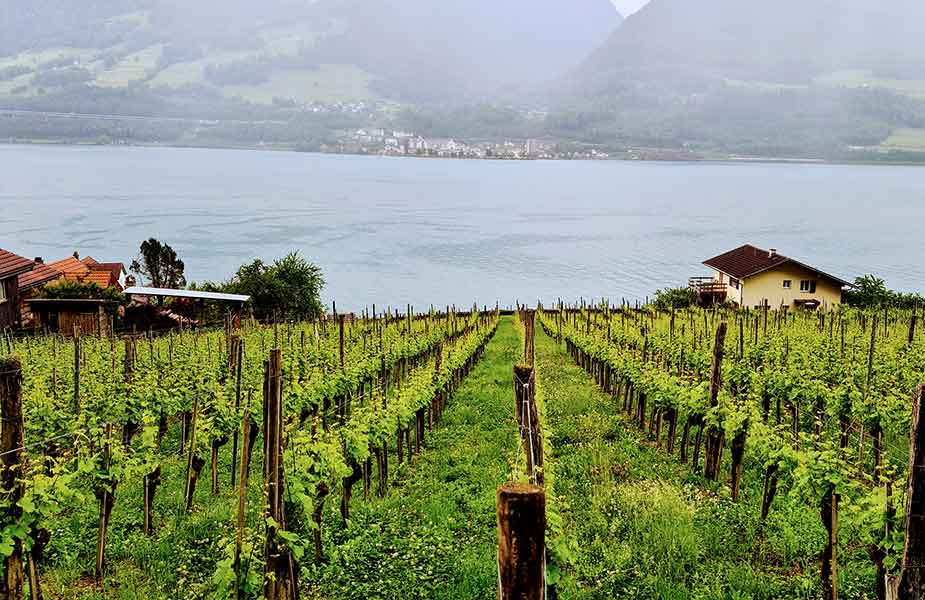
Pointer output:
x,y
293,149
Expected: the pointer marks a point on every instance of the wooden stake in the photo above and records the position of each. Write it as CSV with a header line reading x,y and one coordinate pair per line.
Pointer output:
x,y
242,503
237,345
714,436
829,513
12,462
911,581
107,501
521,542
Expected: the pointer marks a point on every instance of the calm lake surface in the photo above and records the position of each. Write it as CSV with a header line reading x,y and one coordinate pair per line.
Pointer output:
x,y
397,231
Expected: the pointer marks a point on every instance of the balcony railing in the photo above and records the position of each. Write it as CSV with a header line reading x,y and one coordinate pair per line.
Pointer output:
x,y
707,286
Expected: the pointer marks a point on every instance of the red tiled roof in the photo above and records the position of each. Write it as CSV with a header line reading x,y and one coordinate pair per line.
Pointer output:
x,y
40,275
88,270
116,268
748,261
13,264
69,265
102,278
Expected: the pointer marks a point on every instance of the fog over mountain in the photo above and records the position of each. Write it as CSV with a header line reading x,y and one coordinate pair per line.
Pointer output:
x,y
785,41
411,50
791,78
472,49
804,78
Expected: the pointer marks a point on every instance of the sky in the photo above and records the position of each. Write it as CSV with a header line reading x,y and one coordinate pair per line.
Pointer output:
x,y
628,7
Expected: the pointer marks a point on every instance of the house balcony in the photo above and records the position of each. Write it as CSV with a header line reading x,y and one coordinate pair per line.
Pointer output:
x,y
708,288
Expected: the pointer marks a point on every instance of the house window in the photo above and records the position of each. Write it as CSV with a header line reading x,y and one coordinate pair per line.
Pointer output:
x,y
3,290
808,286
787,284
734,283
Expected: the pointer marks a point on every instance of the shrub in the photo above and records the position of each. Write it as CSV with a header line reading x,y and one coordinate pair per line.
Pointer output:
x,y
77,290
675,298
871,292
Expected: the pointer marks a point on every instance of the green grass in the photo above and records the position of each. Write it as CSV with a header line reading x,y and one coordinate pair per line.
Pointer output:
x,y
434,536
134,67
860,78
327,84
635,523
906,139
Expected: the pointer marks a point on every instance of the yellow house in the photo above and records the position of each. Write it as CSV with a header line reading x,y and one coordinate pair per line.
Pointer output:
x,y
750,277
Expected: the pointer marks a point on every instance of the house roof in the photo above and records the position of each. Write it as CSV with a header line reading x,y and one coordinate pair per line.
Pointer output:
x,y
13,264
747,261
102,278
40,275
69,265
87,270
116,268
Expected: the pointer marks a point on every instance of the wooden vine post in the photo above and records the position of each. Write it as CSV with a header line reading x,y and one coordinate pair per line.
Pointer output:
x,y
910,584
105,493
12,461
194,462
77,361
829,513
128,375
529,317
528,419
862,437
714,434
236,359
280,575
521,542
242,503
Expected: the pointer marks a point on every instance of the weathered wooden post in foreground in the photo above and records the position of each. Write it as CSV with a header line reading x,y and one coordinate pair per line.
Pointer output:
x,y
521,542
11,442
910,584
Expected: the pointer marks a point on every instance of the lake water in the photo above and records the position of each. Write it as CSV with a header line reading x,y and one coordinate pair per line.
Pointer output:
x,y
397,231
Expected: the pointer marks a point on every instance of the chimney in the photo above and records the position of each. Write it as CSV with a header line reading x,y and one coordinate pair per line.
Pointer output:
x,y
76,254
772,253
39,260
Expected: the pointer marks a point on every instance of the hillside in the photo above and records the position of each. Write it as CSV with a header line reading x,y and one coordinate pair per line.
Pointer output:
x,y
290,51
789,41
790,77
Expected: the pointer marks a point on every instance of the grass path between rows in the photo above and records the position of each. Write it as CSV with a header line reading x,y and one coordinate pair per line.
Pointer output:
x,y
434,535
634,522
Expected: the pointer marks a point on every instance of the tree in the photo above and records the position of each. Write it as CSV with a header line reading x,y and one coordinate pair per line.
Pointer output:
x,y
290,288
870,291
675,298
159,265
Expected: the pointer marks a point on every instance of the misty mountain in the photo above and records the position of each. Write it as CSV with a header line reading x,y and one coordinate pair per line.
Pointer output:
x,y
788,41
303,50
791,78
473,49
